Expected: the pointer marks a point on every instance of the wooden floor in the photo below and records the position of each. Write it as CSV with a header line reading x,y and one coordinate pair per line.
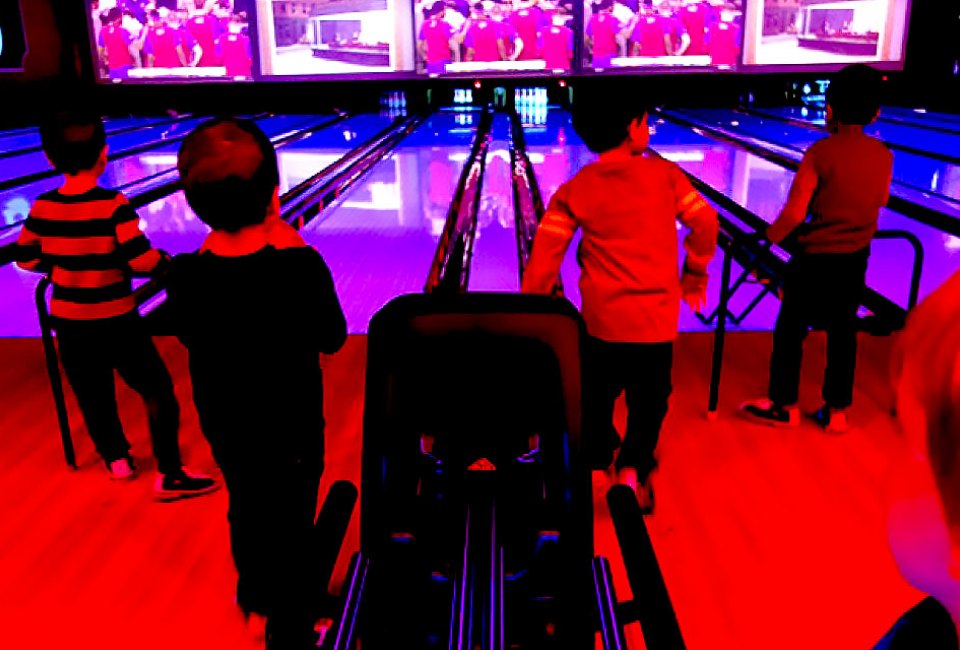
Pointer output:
x,y
767,538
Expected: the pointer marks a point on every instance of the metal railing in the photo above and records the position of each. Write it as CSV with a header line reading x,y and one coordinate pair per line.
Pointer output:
x,y
53,372
746,278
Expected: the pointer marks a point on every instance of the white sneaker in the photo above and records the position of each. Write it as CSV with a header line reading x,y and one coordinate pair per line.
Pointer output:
x,y
120,470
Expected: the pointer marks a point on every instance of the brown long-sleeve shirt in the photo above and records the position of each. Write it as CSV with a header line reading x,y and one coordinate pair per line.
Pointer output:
x,y
837,193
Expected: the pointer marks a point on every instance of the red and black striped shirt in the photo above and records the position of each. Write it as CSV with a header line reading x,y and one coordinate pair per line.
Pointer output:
x,y
91,245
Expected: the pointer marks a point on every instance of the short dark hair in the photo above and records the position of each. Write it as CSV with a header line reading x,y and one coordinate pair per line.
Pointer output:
x,y
73,140
855,93
603,121
228,168
111,15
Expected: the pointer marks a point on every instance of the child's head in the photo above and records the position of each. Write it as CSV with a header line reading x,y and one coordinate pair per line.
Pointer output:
x,y
606,122
112,16
853,96
603,7
75,142
237,23
924,514
228,168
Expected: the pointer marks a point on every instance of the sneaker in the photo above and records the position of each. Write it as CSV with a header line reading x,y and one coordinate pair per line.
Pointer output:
x,y
529,457
645,496
765,411
171,487
644,489
832,420
121,469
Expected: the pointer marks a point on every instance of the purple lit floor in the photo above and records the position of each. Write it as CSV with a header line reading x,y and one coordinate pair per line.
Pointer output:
x,y
380,236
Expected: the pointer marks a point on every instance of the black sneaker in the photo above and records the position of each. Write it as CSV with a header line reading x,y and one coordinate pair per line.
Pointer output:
x,y
831,420
765,411
171,487
645,496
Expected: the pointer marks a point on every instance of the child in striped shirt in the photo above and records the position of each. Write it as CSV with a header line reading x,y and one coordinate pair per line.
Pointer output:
x,y
88,239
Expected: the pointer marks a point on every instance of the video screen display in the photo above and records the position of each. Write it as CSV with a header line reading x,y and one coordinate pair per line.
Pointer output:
x,y
334,37
172,39
818,32
461,37
661,34
243,40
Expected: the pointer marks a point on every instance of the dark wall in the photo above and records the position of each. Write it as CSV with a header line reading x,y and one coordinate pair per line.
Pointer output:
x,y
932,69
43,42
51,61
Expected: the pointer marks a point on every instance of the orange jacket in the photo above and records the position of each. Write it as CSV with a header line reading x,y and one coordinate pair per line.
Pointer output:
x,y
627,207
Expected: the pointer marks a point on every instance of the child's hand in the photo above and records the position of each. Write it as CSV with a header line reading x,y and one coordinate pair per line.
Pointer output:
x,y
694,288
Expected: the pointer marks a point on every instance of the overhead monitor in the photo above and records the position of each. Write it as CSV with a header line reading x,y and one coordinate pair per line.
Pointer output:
x,y
511,37
661,35
246,40
172,40
327,38
825,34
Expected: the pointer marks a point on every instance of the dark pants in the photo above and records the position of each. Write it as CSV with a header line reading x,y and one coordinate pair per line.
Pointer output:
x,y
824,291
272,478
90,352
643,372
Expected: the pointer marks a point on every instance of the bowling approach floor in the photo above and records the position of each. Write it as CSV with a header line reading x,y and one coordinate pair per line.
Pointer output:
x,y
766,538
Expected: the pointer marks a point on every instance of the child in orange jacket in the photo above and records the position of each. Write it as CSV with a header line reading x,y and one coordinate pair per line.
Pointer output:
x,y
627,204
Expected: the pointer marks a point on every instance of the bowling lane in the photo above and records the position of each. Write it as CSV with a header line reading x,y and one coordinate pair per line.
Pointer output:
x,y
35,161
494,264
171,225
762,187
557,153
920,117
380,237
15,202
946,144
919,179
13,141
915,116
